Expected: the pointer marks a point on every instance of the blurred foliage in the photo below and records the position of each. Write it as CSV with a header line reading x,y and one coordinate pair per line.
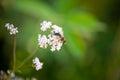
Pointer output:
x,y
91,29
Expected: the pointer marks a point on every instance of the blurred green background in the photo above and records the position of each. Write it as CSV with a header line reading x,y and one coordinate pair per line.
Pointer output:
x,y
91,29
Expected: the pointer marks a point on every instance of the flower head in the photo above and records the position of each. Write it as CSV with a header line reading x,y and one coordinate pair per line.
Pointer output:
x,y
11,28
57,29
42,41
55,39
45,25
55,42
37,63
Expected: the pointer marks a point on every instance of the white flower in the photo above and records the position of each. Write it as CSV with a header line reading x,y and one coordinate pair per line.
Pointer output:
x,y
42,41
57,29
54,42
45,25
13,31
11,28
10,72
55,39
7,25
56,46
37,63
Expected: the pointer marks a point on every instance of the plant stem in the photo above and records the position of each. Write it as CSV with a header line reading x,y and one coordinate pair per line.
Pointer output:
x,y
14,57
14,52
28,58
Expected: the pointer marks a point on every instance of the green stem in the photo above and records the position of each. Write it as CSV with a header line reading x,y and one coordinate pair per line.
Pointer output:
x,y
14,58
14,53
28,58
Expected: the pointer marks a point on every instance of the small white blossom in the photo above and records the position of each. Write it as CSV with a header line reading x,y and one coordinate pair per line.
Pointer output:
x,y
37,63
57,29
45,25
56,46
11,28
13,31
7,25
42,41
10,72
54,42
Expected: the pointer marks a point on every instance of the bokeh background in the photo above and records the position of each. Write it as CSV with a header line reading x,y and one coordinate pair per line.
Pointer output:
x,y
91,29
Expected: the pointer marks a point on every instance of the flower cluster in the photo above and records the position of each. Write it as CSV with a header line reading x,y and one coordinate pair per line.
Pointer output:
x,y
11,28
42,41
37,64
45,25
55,39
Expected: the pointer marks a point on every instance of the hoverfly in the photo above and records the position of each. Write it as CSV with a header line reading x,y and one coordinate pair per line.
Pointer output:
x,y
61,37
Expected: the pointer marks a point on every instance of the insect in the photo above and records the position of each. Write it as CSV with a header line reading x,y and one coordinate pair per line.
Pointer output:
x,y
61,37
